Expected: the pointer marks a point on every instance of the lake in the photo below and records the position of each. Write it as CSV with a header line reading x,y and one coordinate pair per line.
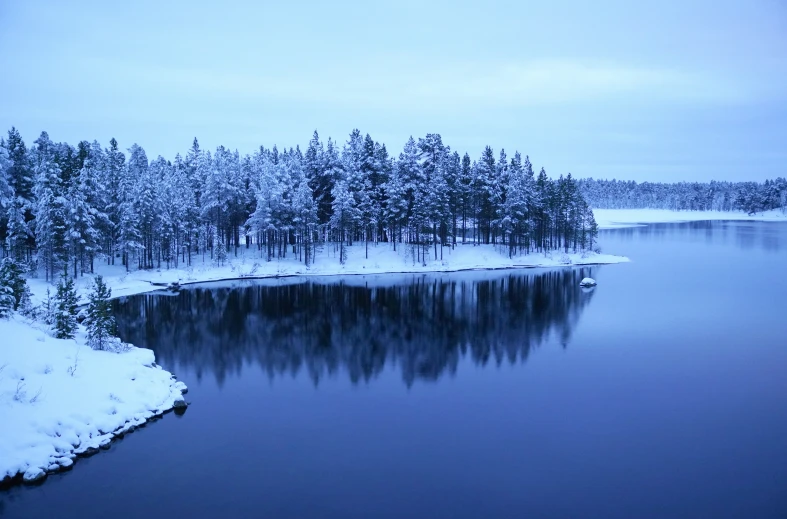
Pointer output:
x,y
662,392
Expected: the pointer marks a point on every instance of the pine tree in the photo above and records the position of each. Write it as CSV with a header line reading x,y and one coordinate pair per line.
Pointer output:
x,y
50,218
8,287
6,192
397,204
20,173
465,190
486,193
49,309
6,300
129,240
100,323
14,230
345,216
358,185
12,274
305,219
65,318
111,177
219,249
17,230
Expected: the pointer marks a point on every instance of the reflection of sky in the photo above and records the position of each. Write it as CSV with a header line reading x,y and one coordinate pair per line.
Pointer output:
x,y
636,90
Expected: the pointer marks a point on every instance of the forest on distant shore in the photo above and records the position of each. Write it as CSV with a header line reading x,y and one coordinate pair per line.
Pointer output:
x,y
750,197
65,207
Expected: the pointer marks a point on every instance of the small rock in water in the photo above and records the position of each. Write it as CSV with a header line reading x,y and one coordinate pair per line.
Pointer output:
x,y
179,403
90,451
180,386
587,282
33,475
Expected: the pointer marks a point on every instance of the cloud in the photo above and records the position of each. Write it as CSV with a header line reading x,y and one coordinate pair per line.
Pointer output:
x,y
413,86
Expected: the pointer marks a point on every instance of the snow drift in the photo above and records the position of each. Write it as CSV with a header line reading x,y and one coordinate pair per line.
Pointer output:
x,y
60,399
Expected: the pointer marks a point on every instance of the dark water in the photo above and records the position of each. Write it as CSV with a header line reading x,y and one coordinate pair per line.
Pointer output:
x,y
660,393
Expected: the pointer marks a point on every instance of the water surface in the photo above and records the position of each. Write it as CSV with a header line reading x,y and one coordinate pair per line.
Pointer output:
x,y
660,393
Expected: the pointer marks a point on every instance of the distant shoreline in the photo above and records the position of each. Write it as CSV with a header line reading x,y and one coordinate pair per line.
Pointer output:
x,y
622,218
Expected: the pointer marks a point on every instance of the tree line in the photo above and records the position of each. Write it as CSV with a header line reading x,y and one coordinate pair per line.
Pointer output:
x,y
65,207
750,197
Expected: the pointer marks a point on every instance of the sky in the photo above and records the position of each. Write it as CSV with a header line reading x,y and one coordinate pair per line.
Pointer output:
x,y
649,90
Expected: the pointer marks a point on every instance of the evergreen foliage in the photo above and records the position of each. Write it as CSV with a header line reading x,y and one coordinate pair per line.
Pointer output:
x,y
66,207
12,276
6,298
750,197
65,309
100,322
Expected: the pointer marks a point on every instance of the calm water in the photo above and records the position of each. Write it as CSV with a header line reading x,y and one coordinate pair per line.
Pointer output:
x,y
660,393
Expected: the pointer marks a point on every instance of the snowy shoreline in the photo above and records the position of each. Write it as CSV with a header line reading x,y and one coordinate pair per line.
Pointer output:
x,y
622,218
61,400
382,260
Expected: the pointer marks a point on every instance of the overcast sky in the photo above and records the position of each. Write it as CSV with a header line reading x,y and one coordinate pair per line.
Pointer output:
x,y
662,90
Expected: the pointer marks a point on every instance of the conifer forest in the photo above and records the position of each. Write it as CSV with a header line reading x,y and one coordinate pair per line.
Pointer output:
x,y
65,207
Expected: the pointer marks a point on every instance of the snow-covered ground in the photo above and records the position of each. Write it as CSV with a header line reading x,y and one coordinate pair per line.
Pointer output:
x,y
618,218
382,259
59,398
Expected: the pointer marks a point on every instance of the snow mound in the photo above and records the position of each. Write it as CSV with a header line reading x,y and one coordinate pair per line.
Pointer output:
x,y
60,399
587,282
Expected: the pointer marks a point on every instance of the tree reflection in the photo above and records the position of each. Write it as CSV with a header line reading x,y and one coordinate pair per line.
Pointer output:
x,y
422,326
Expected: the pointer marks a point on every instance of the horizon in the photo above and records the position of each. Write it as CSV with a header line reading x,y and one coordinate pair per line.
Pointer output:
x,y
656,92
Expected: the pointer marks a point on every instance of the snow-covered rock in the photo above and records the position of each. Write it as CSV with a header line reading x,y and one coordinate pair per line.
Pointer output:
x,y
34,475
59,399
587,282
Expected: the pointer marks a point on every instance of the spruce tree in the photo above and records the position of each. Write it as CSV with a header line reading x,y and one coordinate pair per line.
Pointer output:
x,y
219,249
12,276
65,316
99,322
6,298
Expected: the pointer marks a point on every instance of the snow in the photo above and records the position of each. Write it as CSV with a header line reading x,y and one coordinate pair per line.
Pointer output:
x,y
587,282
382,260
619,218
59,398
